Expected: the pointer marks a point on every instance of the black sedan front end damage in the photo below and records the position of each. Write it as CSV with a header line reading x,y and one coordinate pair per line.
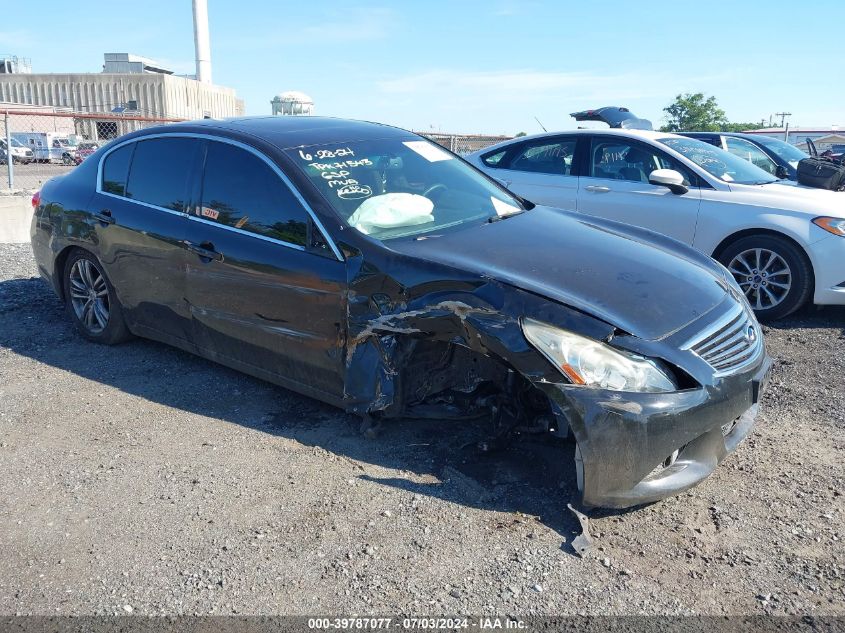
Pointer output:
x,y
454,344
453,359
639,448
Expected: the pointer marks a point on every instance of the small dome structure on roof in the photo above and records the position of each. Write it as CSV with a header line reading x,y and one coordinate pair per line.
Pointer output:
x,y
292,103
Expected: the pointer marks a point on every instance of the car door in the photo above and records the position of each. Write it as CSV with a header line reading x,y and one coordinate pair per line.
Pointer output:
x,y
614,185
540,170
261,298
140,222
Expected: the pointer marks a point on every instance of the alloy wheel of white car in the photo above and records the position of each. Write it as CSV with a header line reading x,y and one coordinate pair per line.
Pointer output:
x,y
781,265
763,275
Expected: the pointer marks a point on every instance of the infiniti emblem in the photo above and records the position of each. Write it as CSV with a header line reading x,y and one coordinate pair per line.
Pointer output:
x,y
750,334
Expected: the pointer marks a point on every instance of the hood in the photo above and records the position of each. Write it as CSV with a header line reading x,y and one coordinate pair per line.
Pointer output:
x,y
790,196
591,265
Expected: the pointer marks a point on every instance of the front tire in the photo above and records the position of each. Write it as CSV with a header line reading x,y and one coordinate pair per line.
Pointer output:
x,y
774,274
91,301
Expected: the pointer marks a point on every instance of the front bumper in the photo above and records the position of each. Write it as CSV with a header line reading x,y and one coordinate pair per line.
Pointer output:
x,y
624,439
827,256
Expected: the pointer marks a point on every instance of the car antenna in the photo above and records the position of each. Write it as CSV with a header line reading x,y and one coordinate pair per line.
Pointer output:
x,y
540,124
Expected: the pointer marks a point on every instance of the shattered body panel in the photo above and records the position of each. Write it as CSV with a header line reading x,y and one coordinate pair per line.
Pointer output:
x,y
622,436
432,326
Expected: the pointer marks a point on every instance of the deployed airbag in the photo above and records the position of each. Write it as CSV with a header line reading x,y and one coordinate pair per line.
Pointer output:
x,y
392,210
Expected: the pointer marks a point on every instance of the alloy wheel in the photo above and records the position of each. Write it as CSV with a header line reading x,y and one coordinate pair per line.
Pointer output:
x,y
763,275
89,296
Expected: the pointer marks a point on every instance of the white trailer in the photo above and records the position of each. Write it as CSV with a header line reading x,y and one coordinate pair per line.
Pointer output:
x,y
48,147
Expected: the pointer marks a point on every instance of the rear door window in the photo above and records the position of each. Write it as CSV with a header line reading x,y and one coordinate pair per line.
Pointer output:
x,y
159,172
545,156
116,170
241,191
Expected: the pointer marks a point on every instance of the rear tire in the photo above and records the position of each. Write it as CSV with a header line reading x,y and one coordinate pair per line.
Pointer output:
x,y
774,273
91,301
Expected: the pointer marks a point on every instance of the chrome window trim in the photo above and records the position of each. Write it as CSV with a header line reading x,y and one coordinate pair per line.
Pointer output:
x,y
244,146
145,204
266,238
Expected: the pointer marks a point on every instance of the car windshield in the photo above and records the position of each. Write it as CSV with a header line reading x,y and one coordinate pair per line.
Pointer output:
x,y
719,163
391,189
786,151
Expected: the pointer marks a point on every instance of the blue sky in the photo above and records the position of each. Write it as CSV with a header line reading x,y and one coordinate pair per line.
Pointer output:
x,y
469,66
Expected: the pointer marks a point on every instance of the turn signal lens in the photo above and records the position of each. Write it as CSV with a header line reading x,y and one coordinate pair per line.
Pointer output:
x,y
831,225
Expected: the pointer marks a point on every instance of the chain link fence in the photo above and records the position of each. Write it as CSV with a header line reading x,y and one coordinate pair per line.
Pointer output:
x,y
463,144
38,145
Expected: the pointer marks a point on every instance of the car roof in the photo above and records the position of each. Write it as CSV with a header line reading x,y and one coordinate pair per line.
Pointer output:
x,y
750,137
295,131
627,133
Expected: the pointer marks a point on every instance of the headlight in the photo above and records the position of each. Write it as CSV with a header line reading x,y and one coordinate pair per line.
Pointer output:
x,y
831,225
593,364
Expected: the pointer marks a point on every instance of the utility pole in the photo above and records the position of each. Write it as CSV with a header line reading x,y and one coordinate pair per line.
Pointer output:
x,y
783,116
784,126
10,160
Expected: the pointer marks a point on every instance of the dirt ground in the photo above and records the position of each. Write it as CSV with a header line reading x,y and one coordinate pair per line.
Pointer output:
x,y
141,479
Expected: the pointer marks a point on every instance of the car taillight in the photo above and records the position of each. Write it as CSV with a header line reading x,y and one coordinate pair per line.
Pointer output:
x,y
36,199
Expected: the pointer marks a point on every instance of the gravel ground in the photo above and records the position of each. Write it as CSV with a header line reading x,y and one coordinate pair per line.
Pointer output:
x,y
141,479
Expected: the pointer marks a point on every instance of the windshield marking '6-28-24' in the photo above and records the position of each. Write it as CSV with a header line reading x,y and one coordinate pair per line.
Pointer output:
x,y
390,189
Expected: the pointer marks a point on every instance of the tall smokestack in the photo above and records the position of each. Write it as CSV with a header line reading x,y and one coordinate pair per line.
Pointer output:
x,y
201,41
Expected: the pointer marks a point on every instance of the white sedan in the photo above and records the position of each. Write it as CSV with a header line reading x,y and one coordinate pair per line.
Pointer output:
x,y
784,243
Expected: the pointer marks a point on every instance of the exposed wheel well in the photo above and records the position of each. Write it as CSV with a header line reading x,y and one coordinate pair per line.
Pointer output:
x,y
59,268
450,380
725,243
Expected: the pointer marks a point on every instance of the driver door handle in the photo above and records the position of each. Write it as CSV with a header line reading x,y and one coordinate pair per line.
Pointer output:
x,y
104,216
204,250
597,188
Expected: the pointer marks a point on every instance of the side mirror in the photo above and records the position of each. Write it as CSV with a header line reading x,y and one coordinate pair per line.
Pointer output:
x,y
670,178
781,172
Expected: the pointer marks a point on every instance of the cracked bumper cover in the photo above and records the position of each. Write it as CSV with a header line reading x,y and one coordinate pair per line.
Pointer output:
x,y
623,437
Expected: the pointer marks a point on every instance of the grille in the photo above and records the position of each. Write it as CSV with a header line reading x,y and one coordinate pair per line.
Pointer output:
x,y
731,343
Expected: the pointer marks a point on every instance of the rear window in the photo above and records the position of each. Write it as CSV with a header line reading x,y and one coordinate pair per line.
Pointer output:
x,y
159,174
116,170
545,156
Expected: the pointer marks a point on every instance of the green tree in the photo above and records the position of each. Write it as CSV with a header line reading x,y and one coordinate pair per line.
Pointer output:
x,y
693,112
741,127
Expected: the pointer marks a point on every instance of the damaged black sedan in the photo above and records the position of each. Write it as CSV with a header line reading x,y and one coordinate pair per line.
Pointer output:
x,y
367,267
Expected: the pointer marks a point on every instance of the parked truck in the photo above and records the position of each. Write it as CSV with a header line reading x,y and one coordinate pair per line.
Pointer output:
x,y
20,154
48,147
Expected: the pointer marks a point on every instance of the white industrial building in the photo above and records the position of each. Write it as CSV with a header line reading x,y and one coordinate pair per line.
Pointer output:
x,y
146,89
130,89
